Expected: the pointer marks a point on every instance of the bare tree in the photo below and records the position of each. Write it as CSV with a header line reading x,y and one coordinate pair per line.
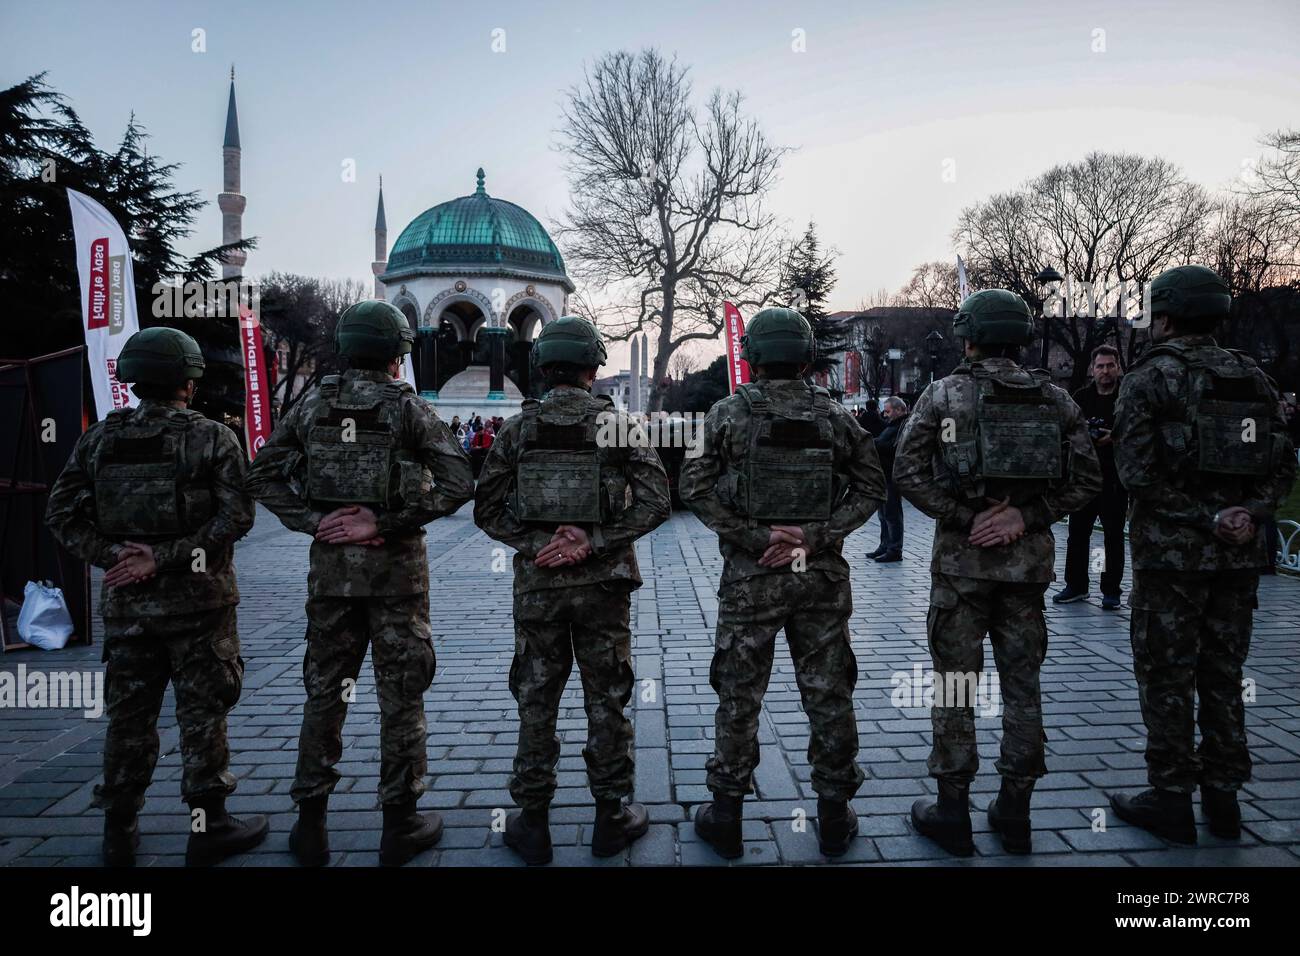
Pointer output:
x,y
933,285
667,212
1109,222
299,314
1277,181
681,365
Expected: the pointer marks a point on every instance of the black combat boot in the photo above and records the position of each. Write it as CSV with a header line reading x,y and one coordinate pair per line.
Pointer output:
x,y
1165,813
406,832
1009,815
719,825
222,834
121,839
1222,812
528,833
309,840
617,825
946,821
837,825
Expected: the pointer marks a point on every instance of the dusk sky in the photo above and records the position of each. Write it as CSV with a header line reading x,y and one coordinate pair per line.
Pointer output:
x,y
883,95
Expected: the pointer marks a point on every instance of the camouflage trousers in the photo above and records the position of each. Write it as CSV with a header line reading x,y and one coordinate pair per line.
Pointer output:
x,y
1191,635
339,629
962,611
199,654
814,610
554,626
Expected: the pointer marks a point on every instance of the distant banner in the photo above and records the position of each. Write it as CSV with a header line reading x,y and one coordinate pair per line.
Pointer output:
x,y
737,368
257,383
961,279
107,298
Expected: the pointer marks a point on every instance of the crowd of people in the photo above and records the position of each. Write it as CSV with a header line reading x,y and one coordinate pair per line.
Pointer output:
x,y
476,436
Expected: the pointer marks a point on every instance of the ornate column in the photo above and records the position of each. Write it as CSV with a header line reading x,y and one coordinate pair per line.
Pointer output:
x,y
426,365
496,362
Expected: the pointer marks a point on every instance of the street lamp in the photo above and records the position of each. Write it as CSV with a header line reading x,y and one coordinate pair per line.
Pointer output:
x,y
1045,278
933,342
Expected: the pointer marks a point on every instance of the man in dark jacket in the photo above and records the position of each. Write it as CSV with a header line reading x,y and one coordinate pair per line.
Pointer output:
x,y
894,415
1097,402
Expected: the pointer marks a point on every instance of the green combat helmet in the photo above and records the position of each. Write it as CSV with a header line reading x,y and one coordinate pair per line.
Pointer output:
x,y
572,340
160,356
1190,292
373,330
994,317
777,335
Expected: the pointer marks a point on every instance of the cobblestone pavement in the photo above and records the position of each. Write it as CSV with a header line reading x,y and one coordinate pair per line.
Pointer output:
x,y
50,759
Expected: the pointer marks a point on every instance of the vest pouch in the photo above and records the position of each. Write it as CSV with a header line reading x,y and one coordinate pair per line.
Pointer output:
x,y
1174,440
414,481
787,485
1019,437
137,499
961,461
349,472
1233,438
197,506
558,486
615,495
136,491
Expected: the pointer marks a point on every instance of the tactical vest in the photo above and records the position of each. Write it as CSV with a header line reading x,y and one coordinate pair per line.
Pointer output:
x,y
559,477
1228,424
788,472
144,486
353,443
1017,447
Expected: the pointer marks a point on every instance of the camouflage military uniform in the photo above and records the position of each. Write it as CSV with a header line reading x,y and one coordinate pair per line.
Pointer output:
x,y
580,610
755,602
1193,594
177,626
996,590
366,596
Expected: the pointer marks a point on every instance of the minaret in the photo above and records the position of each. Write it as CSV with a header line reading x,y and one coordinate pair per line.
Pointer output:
x,y
230,201
381,244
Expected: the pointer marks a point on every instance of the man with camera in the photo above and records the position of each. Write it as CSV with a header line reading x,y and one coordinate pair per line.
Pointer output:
x,y
1097,401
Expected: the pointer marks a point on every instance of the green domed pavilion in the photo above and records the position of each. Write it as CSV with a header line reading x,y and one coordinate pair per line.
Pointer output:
x,y
477,277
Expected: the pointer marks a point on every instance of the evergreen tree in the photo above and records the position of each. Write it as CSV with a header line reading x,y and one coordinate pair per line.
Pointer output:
x,y
807,278
45,150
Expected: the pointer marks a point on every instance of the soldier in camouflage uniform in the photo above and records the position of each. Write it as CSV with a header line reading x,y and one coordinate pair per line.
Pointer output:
x,y
1203,450
784,476
362,465
155,495
565,487
995,454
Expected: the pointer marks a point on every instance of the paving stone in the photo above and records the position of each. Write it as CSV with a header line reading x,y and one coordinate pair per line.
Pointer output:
x,y
49,761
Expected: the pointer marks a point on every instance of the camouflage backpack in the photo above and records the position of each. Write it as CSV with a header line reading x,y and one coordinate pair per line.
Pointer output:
x,y
788,474
559,478
1017,444
353,442
1228,424
144,486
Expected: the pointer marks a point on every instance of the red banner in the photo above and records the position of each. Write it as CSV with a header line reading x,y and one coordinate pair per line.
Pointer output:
x,y
257,387
97,306
737,368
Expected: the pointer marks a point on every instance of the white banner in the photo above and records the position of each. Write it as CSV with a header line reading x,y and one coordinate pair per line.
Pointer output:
x,y
961,279
107,298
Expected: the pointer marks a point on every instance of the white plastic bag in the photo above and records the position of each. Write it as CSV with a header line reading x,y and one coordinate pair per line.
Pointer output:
x,y
44,620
